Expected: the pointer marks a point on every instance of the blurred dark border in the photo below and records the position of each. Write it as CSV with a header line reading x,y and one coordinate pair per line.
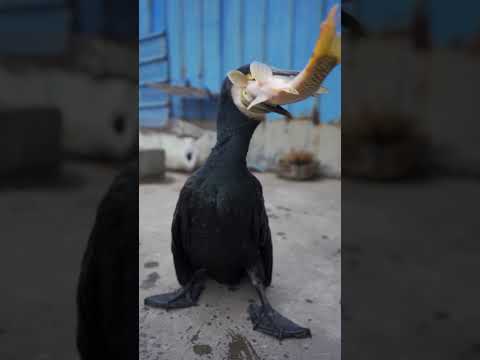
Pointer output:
x,y
68,143
410,180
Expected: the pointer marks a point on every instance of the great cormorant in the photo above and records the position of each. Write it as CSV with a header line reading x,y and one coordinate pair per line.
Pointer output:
x,y
220,225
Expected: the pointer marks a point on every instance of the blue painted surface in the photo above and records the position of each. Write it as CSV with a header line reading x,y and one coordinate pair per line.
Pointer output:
x,y
43,27
207,38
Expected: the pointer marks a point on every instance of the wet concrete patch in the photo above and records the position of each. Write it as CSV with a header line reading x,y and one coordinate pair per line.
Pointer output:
x,y
150,281
239,348
441,315
352,249
195,337
202,349
150,264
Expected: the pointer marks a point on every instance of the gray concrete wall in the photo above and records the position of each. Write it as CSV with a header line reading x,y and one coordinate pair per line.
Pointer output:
x,y
269,142
423,81
90,108
272,139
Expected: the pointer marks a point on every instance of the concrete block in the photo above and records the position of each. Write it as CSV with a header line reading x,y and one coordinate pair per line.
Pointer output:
x,y
151,163
30,141
181,153
99,116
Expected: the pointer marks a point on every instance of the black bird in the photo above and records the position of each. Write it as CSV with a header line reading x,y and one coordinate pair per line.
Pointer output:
x,y
107,303
220,226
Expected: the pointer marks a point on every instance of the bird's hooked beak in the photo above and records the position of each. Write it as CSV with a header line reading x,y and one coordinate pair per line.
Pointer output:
x,y
265,89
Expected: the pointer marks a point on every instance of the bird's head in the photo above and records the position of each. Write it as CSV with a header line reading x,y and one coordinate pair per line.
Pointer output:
x,y
257,89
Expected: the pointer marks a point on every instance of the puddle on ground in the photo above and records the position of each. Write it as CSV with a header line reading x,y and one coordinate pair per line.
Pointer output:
x,y
240,348
202,349
150,281
150,264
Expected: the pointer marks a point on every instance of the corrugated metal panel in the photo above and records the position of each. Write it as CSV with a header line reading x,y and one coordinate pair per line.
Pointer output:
x,y
207,38
154,107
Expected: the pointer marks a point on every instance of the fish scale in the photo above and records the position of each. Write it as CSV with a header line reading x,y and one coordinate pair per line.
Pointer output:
x,y
320,71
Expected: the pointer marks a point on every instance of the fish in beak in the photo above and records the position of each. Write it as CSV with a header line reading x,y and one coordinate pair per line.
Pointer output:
x,y
265,89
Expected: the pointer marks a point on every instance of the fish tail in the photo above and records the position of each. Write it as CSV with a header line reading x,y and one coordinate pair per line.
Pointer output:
x,y
326,55
336,48
328,42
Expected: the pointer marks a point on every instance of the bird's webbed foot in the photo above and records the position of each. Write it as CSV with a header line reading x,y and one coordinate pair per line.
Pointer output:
x,y
267,320
184,297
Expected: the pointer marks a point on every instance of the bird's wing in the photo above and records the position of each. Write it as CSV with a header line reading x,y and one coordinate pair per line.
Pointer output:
x,y
266,248
262,233
180,234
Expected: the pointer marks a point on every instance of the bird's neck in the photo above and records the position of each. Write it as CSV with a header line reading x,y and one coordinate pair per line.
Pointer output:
x,y
232,149
234,132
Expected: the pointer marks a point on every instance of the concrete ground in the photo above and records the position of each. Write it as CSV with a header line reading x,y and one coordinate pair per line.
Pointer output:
x,y
305,225
410,254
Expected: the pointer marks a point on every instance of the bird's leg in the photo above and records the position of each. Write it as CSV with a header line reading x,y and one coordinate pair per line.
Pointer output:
x,y
266,319
184,297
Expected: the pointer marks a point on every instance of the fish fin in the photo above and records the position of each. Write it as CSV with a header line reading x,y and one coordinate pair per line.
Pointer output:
x,y
260,72
290,90
238,78
258,100
320,91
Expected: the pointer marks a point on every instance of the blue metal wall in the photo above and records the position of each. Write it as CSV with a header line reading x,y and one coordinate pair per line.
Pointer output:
x,y
204,39
43,27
